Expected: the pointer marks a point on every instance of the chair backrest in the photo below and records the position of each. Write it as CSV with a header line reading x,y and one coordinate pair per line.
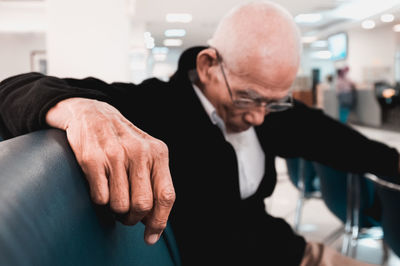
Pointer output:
x,y
47,217
333,186
389,194
294,171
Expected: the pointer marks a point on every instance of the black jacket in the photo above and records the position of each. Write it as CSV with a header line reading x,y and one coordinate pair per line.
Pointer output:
x,y
212,225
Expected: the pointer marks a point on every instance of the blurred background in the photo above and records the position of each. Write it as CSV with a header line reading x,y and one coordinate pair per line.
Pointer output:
x,y
130,40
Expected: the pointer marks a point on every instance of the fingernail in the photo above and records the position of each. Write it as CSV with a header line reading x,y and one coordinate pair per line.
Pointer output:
x,y
152,239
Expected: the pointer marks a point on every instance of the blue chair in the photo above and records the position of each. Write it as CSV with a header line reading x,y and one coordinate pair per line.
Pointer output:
x,y
47,216
389,194
349,197
303,176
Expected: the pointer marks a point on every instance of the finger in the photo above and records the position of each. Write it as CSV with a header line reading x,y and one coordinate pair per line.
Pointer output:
x,y
141,198
164,198
98,183
119,186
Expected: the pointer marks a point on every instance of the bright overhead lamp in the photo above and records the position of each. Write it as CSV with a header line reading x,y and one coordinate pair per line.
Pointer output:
x,y
178,17
363,9
319,44
368,24
175,33
308,18
322,55
387,18
396,28
173,42
308,39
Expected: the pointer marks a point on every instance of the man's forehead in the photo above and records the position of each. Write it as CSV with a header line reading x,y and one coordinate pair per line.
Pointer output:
x,y
261,86
261,92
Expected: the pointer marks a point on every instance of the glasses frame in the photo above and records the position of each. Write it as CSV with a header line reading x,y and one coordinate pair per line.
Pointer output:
x,y
247,103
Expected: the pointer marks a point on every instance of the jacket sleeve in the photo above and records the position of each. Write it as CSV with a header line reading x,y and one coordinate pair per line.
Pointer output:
x,y
25,99
309,133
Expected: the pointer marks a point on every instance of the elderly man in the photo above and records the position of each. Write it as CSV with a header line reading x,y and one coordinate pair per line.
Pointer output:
x,y
210,134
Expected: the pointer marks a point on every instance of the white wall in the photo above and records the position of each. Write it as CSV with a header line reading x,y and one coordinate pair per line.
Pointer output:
x,y
89,38
372,51
15,52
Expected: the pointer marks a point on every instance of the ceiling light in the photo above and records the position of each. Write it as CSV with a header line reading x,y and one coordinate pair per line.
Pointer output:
x,y
322,55
173,42
179,17
368,24
396,28
175,33
387,18
308,39
319,44
363,9
308,18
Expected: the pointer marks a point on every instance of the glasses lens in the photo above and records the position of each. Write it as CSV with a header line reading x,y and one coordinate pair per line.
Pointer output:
x,y
278,107
281,105
244,103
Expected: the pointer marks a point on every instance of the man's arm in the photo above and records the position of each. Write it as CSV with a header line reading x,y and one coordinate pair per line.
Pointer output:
x,y
26,98
124,166
307,132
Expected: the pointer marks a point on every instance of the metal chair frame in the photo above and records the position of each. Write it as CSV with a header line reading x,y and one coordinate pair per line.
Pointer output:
x,y
303,195
351,231
387,185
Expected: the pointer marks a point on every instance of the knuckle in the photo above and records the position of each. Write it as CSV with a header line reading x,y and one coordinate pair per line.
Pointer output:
x,y
114,152
158,224
85,159
90,159
160,148
119,206
166,198
143,205
140,150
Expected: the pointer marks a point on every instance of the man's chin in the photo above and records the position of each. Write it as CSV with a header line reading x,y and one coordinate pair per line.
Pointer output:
x,y
237,129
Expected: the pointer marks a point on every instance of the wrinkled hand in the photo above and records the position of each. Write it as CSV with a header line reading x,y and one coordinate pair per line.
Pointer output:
x,y
124,166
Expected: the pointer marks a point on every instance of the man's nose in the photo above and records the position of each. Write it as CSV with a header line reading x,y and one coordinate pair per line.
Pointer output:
x,y
255,117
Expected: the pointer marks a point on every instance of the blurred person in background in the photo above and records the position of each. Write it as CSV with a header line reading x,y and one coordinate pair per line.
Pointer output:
x,y
199,150
346,94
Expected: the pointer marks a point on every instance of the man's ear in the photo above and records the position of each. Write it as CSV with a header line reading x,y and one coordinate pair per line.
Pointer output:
x,y
206,65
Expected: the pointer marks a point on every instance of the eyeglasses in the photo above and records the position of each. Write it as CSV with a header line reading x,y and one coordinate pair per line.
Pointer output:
x,y
248,103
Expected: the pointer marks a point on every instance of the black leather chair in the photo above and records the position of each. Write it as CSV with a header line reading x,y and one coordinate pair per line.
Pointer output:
x,y
304,177
350,198
47,217
389,194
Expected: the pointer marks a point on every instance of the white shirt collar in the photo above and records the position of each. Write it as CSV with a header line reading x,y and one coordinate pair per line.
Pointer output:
x,y
250,155
210,109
